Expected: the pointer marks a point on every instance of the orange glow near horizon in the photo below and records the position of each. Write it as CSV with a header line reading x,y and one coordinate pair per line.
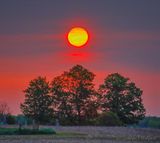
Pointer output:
x,y
78,37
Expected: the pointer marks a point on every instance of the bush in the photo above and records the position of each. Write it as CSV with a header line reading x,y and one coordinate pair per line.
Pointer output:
x,y
13,131
154,122
10,120
108,119
7,131
35,132
150,122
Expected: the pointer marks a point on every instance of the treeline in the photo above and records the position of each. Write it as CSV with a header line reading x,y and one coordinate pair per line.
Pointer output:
x,y
10,119
150,122
6,116
71,99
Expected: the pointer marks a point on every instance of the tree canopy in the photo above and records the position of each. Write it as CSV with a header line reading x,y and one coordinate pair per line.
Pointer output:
x,y
73,94
37,104
72,98
121,96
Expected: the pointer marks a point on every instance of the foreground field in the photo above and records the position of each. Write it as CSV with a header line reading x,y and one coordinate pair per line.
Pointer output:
x,y
90,135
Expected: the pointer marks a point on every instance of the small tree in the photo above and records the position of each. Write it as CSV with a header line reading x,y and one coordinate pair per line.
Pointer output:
x,y
37,104
122,97
4,111
4,108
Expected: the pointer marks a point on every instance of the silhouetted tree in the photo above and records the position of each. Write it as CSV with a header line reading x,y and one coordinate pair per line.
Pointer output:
x,y
4,111
122,97
74,95
37,104
4,108
61,93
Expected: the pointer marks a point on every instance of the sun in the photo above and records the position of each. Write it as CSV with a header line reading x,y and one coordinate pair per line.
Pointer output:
x,y
78,37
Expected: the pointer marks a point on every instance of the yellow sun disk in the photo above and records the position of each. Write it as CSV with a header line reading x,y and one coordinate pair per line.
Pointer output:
x,y
78,37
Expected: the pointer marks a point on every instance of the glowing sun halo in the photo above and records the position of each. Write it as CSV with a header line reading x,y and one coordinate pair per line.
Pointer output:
x,y
77,37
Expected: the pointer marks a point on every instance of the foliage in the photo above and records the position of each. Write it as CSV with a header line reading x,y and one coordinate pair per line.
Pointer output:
x,y
122,97
74,96
10,119
72,99
108,119
7,131
14,131
37,104
35,132
151,122
21,119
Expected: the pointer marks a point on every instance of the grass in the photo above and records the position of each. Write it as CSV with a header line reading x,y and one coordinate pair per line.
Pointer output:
x,y
84,134
15,131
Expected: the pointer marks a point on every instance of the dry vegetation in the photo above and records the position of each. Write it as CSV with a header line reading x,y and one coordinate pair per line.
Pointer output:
x,y
90,135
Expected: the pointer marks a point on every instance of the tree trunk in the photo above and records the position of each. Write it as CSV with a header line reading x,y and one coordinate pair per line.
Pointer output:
x,y
79,116
35,125
20,127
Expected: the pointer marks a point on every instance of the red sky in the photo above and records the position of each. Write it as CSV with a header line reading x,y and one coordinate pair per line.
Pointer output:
x,y
124,38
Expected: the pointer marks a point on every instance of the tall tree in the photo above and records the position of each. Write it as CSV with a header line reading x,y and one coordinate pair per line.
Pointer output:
x,y
61,93
37,104
74,94
122,97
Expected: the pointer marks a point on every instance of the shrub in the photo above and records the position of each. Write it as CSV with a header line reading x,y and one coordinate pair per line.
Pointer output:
x,y
154,122
35,132
150,122
108,119
7,131
13,131
10,120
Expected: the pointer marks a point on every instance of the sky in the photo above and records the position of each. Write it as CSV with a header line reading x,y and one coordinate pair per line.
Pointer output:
x,y
124,37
